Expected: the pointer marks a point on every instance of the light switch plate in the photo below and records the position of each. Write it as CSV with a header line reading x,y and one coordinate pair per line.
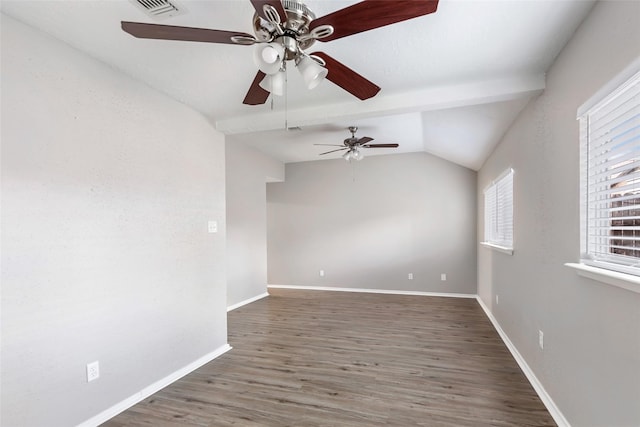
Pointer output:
x,y
213,226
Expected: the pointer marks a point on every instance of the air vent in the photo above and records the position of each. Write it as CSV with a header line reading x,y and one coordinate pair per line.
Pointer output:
x,y
159,8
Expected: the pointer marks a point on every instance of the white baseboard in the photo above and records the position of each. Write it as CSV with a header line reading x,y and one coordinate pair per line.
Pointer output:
x,y
127,403
553,409
373,291
247,301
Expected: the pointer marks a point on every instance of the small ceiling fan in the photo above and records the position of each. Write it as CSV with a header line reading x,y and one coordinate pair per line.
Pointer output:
x,y
354,145
284,29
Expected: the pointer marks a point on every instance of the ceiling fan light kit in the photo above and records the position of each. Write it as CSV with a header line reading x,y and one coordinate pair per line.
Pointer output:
x,y
284,29
353,154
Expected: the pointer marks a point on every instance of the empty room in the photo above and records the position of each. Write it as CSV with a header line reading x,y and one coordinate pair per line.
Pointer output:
x,y
320,213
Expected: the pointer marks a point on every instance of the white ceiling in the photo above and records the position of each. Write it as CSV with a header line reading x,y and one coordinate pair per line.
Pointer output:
x,y
452,82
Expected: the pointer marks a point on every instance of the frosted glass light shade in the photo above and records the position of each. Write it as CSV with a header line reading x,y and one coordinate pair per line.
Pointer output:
x,y
274,83
268,57
312,72
357,154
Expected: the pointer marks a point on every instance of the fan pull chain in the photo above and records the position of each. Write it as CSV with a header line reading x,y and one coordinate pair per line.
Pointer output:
x,y
286,96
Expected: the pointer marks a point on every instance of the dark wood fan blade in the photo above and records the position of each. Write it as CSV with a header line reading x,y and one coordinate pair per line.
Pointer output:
x,y
331,145
256,95
370,14
364,140
333,151
277,4
348,79
381,146
170,32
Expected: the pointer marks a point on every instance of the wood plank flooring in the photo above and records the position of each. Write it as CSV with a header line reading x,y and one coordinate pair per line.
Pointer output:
x,y
316,358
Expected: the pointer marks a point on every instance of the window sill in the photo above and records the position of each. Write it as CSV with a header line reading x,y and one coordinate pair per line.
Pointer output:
x,y
503,249
614,278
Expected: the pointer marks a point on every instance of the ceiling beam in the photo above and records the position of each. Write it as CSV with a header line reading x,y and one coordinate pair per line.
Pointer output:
x,y
427,99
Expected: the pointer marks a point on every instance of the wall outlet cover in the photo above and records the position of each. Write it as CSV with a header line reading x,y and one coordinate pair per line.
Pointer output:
x,y
93,371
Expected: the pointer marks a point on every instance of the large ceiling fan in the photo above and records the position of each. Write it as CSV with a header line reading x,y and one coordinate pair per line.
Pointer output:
x,y
285,29
353,146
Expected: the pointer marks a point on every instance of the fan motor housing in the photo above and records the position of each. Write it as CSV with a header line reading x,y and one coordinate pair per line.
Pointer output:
x,y
299,16
350,142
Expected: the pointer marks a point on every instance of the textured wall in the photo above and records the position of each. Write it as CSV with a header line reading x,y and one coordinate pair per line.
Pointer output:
x,y
591,360
368,224
247,172
107,187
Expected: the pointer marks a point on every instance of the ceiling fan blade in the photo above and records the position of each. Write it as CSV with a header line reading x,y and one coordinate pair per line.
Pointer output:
x,y
381,146
258,5
364,140
331,145
256,95
170,32
348,79
333,151
370,14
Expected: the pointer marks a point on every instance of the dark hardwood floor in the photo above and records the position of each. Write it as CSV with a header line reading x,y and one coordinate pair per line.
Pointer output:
x,y
315,358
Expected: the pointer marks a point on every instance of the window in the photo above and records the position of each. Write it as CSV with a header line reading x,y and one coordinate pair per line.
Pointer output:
x,y
610,180
498,212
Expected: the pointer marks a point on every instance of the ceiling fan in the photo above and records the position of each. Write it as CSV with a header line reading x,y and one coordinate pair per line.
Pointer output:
x,y
284,29
354,145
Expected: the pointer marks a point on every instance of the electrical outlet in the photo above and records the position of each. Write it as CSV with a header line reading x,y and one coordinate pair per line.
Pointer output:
x,y
541,340
410,276
443,277
497,299
321,273
93,371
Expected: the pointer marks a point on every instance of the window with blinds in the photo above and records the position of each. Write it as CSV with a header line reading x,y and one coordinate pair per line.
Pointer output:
x,y
498,211
610,180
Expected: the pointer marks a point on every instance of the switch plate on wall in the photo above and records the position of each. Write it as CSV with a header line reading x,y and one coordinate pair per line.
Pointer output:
x,y
212,226
443,276
321,273
410,276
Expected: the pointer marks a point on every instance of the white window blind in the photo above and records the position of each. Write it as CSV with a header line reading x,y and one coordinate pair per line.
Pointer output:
x,y
610,180
498,211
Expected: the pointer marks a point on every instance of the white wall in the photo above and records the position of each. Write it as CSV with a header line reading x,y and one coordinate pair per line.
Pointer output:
x,y
247,172
368,224
107,187
590,365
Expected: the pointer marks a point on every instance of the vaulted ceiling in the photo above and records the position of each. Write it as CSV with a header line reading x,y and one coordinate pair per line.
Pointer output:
x,y
452,81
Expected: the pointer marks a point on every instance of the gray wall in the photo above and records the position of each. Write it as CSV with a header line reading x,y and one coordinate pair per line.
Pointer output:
x,y
107,187
368,224
247,172
591,360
